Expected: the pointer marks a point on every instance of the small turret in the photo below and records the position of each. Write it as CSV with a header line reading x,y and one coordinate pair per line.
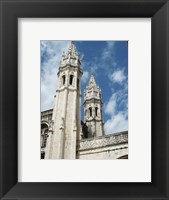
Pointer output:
x,y
93,109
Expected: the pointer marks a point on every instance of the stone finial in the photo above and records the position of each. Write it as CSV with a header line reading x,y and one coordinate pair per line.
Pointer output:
x,y
71,57
72,50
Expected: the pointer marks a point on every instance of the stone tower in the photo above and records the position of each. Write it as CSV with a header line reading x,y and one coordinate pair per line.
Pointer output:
x,y
66,115
93,109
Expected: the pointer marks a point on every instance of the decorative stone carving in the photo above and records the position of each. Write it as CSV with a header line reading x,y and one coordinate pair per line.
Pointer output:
x,y
103,141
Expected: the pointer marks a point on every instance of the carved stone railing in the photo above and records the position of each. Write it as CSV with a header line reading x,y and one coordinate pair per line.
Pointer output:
x,y
107,140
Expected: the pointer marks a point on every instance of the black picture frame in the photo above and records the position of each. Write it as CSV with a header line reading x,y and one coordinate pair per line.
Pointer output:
x,y
10,11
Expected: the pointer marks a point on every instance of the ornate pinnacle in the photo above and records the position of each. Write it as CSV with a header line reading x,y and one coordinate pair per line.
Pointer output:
x,y
71,56
92,80
72,49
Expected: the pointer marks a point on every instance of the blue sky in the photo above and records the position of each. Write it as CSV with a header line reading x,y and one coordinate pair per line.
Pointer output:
x,y
108,60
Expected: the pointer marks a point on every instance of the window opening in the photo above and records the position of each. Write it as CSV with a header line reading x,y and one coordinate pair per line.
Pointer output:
x,y
96,109
90,110
71,79
63,79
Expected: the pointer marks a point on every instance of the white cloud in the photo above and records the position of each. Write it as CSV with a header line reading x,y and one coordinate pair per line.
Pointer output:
x,y
117,123
85,76
51,51
91,66
118,120
110,106
106,54
108,50
118,76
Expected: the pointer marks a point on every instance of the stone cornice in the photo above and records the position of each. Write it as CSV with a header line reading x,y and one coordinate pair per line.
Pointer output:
x,y
67,88
94,119
93,99
65,67
100,142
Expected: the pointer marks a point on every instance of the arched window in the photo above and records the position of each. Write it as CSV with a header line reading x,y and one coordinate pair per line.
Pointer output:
x,y
63,79
71,79
90,111
96,109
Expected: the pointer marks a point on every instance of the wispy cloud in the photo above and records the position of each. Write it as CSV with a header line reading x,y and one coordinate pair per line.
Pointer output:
x,y
91,65
116,123
108,51
51,52
118,76
110,107
111,44
85,77
117,110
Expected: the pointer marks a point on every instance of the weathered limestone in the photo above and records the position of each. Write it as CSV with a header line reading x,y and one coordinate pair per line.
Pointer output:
x,y
63,135
93,109
66,115
112,146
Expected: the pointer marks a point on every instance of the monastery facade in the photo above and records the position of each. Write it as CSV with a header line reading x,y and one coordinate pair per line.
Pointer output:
x,y
63,134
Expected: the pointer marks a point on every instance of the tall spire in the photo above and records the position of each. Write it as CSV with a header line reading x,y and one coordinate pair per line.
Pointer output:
x,y
92,81
71,57
72,50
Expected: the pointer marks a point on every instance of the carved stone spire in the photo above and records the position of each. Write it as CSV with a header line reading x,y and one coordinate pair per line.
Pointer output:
x,y
72,50
93,109
92,81
92,89
71,57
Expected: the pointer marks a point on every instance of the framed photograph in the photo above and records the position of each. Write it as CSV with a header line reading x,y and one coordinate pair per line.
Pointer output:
x,y
84,99
80,125
84,102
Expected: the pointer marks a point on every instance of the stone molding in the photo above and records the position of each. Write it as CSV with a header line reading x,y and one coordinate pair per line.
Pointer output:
x,y
101,150
100,142
66,88
73,68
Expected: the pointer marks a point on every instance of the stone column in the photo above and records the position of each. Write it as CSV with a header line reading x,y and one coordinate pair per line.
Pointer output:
x,y
62,134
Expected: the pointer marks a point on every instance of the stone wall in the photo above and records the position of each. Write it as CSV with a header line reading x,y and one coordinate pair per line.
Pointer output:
x,y
111,146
